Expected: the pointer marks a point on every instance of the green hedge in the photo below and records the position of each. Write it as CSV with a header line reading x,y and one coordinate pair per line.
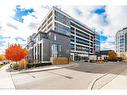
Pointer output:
x,y
115,59
31,65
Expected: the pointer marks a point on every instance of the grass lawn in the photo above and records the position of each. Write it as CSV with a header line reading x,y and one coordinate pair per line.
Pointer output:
x,y
2,65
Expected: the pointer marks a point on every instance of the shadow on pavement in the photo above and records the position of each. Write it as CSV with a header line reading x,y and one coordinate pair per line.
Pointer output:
x,y
111,68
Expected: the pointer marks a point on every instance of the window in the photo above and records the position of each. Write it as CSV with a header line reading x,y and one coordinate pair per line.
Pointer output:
x,y
82,41
56,49
54,36
62,18
61,28
72,46
59,48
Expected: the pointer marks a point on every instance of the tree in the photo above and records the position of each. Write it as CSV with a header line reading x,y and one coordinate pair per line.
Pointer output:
x,y
2,57
16,53
112,55
123,56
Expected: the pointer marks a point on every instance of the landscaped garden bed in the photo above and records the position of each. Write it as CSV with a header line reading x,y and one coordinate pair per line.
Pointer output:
x,y
31,65
25,65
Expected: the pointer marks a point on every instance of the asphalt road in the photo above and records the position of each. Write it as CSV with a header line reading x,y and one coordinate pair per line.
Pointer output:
x,y
79,76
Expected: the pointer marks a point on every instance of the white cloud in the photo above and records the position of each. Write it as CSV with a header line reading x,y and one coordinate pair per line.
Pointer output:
x,y
12,28
116,16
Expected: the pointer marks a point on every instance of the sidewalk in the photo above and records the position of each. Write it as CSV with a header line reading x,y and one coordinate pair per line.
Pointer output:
x,y
44,68
120,82
5,78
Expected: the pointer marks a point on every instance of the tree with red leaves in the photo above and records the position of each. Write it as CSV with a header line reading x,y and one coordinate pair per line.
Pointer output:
x,y
112,54
16,53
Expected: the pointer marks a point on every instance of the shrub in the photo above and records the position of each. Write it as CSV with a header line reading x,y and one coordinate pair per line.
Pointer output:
x,y
29,65
119,58
23,64
105,60
92,61
101,62
15,66
115,59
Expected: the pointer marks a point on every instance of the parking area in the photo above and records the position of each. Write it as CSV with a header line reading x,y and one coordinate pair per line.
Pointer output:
x,y
78,76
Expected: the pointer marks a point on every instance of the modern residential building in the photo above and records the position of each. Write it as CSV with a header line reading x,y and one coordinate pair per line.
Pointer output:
x,y
121,41
30,44
60,35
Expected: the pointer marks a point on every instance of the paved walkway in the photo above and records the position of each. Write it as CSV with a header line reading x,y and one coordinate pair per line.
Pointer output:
x,y
120,82
5,78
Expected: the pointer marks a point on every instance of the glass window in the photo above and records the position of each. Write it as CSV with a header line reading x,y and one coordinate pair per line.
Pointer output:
x,y
54,37
59,48
61,18
61,28
56,49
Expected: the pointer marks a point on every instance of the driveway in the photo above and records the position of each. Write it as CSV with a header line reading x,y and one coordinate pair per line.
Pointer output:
x,y
79,76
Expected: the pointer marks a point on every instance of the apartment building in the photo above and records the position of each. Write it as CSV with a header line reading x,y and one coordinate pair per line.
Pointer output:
x,y
60,35
30,44
121,41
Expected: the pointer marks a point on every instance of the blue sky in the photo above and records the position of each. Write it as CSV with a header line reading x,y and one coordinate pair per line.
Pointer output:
x,y
20,12
100,10
20,20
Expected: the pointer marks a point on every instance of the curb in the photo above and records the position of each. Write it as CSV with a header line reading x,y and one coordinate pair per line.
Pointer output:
x,y
91,85
44,69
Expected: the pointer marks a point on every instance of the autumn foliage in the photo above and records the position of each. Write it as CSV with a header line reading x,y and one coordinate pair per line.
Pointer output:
x,y
16,53
23,64
2,57
112,54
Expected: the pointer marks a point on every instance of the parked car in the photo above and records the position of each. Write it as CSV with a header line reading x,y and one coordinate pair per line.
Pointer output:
x,y
1,63
5,62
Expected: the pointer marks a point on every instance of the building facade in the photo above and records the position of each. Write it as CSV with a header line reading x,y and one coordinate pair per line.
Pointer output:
x,y
60,35
30,44
121,42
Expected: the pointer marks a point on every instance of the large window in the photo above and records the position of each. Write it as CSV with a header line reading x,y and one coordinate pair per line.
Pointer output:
x,y
72,38
61,18
86,30
72,46
61,28
82,41
82,48
56,50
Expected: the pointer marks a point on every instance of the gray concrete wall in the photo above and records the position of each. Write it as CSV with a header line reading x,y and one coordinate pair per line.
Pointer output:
x,y
64,41
46,50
